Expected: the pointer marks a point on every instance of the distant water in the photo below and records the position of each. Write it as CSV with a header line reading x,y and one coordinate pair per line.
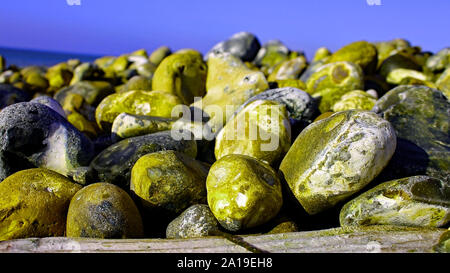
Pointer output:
x,y
25,57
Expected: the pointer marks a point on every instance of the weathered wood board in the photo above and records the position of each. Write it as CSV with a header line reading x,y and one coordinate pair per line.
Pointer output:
x,y
369,239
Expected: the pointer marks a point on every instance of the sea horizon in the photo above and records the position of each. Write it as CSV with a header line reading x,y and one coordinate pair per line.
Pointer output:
x,y
22,57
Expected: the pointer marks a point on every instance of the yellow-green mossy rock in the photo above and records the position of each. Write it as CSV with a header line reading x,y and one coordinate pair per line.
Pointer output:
x,y
169,181
34,203
290,69
357,99
260,130
336,157
149,103
243,192
59,76
137,83
396,76
105,211
73,104
229,84
159,54
386,49
271,54
120,64
182,74
439,61
361,53
321,53
443,83
36,82
329,82
128,125
323,116
290,83
419,201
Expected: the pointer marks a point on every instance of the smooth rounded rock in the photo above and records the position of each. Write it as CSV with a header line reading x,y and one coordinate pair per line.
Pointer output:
x,y
243,45
196,221
114,163
336,157
243,192
354,100
150,103
182,74
34,135
49,102
34,203
10,95
419,201
260,130
168,181
361,53
300,105
105,211
229,84
329,82
421,118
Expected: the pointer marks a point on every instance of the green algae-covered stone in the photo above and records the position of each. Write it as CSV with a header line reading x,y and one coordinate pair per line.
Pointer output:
x,y
420,201
74,105
288,83
439,61
104,62
34,203
91,91
421,119
86,71
195,221
159,54
329,82
105,211
169,181
354,100
149,103
243,192
182,74
301,107
243,45
443,83
138,83
337,156
271,53
398,61
129,125
443,246
229,84
36,82
312,67
361,53
321,53
260,130
290,69
114,163
396,76
120,63
59,76
388,48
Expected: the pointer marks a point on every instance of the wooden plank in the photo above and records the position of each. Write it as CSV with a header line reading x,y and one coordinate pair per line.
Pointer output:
x,y
368,239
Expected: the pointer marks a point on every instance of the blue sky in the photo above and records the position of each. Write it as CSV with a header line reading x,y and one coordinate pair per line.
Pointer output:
x,y
114,27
